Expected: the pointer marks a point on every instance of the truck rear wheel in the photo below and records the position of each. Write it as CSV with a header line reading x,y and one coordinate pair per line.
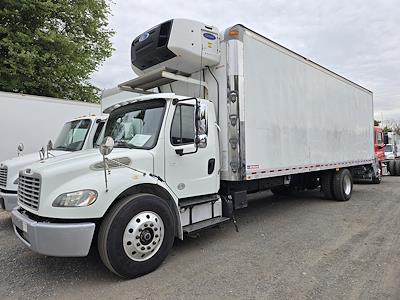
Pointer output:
x,y
136,235
392,167
342,185
326,185
396,168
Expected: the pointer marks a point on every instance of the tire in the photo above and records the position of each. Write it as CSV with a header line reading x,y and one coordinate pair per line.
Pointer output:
x,y
136,235
342,185
326,185
397,167
392,167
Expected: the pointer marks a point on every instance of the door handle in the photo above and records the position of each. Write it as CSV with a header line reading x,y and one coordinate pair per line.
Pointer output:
x,y
211,165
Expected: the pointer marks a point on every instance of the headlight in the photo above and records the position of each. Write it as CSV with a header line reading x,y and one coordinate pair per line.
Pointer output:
x,y
16,181
76,199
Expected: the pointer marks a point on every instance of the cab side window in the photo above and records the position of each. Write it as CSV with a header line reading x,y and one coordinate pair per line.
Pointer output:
x,y
97,134
182,129
379,139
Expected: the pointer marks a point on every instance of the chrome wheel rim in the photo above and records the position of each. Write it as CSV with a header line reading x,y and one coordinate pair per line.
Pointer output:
x,y
347,185
143,236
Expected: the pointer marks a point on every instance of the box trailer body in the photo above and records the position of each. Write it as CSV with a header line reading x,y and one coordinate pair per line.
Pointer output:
x,y
295,116
32,120
78,134
219,116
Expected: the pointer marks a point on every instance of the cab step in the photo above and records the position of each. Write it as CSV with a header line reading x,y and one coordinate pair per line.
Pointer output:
x,y
204,224
192,201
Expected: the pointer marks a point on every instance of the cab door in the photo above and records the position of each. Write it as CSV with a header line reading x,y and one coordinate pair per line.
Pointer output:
x,y
191,170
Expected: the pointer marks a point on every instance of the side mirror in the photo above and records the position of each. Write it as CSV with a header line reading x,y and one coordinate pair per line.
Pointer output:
x,y
20,148
106,146
202,126
49,145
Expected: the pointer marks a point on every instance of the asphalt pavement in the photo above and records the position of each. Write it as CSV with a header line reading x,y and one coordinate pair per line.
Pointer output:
x,y
297,247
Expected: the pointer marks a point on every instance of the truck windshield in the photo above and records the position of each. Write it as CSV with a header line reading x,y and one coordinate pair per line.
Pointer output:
x,y
388,148
136,125
73,135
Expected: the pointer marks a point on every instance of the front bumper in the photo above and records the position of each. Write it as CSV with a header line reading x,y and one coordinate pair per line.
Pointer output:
x,y
8,201
53,239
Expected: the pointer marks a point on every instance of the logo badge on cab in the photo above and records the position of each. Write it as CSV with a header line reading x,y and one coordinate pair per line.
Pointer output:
x,y
209,36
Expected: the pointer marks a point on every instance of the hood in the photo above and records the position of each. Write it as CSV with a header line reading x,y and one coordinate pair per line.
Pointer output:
x,y
85,159
84,170
14,165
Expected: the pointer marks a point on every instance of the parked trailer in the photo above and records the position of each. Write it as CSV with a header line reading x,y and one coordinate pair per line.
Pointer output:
x,y
236,113
76,135
32,120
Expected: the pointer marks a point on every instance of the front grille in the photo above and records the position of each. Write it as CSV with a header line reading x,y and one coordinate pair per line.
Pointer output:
x,y
29,191
3,176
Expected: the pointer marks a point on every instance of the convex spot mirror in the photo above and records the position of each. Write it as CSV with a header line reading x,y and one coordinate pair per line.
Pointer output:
x,y
106,146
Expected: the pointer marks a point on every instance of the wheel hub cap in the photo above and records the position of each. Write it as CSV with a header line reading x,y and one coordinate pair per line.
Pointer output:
x,y
143,236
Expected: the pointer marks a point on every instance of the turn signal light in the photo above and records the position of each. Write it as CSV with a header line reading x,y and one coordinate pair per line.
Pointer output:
x,y
233,32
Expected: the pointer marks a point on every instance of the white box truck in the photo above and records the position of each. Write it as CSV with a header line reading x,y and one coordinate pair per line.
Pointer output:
x,y
32,120
234,113
77,134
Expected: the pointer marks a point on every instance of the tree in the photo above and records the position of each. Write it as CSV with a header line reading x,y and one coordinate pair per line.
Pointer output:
x,y
376,122
387,129
50,47
393,126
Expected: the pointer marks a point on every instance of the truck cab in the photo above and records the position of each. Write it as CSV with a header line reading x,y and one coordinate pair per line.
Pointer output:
x,y
76,135
156,141
390,151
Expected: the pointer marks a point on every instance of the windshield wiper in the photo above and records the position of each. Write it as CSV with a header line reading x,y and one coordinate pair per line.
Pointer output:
x,y
123,144
63,148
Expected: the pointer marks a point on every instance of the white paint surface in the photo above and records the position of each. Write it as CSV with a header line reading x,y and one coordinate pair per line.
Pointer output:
x,y
33,120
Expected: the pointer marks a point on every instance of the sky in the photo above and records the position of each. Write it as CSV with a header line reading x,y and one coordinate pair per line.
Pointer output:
x,y
359,40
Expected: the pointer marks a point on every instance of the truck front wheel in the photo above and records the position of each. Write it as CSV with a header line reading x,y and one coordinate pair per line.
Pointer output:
x,y
136,235
342,185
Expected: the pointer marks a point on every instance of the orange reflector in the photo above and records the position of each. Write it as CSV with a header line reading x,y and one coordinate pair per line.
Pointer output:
x,y
233,33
